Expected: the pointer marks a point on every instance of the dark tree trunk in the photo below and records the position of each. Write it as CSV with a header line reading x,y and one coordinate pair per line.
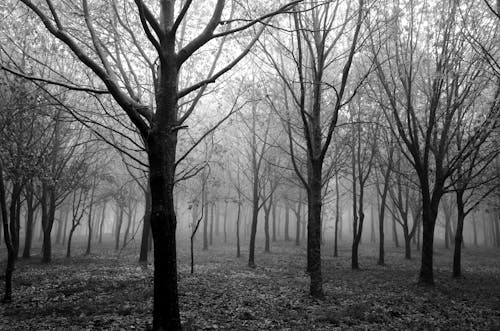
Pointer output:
x,y
211,242
337,216
89,219
205,220
238,222
253,229
11,258
162,143
372,225
395,232
30,213
70,237
287,220
146,227
407,238
118,226
225,223
266,230
14,218
457,254
298,221
65,230
48,224
429,215
314,227
103,220
130,219
273,212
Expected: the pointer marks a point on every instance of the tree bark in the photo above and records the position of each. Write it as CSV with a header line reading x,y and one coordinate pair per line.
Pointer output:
x,y
314,228
30,213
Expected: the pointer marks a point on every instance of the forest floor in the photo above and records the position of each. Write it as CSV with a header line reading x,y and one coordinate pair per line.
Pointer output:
x,y
104,291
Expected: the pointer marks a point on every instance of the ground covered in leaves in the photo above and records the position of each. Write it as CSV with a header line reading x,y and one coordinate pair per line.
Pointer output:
x,y
106,291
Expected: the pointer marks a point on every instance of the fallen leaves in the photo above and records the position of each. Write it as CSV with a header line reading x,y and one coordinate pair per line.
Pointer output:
x,y
224,294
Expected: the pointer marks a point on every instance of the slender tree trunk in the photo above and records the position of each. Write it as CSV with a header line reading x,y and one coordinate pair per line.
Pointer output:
x,y
103,220
267,212
337,215
130,219
298,221
89,219
287,220
225,222
273,212
372,225
457,254
216,219
253,229
211,242
29,222
474,228
395,232
119,221
238,222
205,220
65,230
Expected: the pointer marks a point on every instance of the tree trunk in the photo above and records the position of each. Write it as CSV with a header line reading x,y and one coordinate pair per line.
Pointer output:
x,y
118,226
48,224
267,212
225,222
146,226
395,232
372,225
30,213
337,216
65,230
457,254
205,219
273,211
253,229
89,219
70,237
11,258
238,222
298,221
130,219
407,239
211,242
287,220
314,228
429,215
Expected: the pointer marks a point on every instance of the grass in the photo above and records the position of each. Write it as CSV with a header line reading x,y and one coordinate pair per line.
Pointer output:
x,y
105,291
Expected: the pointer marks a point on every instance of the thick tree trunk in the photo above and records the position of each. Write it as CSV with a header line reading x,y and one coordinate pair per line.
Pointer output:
x,y
457,254
429,215
314,228
48,224
162,145
407,239
30,213
146,227
11,258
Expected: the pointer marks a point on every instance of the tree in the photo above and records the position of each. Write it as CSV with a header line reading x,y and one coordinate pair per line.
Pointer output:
x,y
158,126
315,40
426,74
